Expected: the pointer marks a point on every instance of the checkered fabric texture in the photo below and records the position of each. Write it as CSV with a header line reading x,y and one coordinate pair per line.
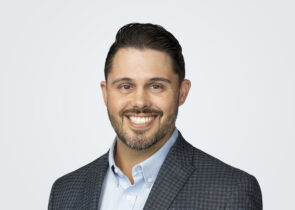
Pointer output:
x,y
188,179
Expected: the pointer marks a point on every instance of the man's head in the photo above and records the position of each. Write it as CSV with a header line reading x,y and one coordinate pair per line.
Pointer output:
x,y
144,85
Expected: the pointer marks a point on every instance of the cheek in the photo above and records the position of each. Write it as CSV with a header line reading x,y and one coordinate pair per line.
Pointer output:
x,y
116,103
167,103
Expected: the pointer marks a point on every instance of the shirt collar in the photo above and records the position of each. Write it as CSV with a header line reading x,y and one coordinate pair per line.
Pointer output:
x,y
151,166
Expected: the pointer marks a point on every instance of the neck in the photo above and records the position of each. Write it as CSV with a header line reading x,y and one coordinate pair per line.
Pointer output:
x,y
126,158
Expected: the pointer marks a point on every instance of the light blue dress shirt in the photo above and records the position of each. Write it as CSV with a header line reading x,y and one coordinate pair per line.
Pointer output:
x,y
118,192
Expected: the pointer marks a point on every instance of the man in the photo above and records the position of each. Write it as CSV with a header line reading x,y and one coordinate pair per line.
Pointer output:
x,y
150,165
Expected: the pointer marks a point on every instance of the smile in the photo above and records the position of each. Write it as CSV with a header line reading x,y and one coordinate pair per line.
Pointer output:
x,y
140,121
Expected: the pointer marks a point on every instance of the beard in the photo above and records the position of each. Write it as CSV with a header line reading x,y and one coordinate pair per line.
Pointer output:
x,y
139,140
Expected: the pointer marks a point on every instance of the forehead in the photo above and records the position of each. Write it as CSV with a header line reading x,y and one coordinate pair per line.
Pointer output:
x,y
141,64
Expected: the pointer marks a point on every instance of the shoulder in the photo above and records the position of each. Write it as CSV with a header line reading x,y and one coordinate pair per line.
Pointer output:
x,y
206,164
217,172
81,173
68,189
213,179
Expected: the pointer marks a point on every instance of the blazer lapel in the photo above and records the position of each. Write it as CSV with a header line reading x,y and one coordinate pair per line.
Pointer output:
x,y
93,183
173,174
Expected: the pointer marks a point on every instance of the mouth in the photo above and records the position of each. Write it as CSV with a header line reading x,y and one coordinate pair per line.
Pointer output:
x,y
141,121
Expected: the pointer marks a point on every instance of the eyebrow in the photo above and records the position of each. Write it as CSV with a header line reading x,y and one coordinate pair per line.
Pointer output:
x,y
124,79
154,79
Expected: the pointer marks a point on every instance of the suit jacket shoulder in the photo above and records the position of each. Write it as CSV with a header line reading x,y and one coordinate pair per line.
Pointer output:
x,y
79,189
192,179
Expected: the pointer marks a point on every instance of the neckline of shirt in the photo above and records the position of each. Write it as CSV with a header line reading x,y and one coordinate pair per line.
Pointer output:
x,y
149,167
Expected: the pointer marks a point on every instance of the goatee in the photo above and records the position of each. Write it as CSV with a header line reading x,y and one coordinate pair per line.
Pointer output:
x,y
139,140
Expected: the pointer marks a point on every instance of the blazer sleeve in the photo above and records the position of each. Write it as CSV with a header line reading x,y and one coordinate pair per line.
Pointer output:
x,y
246,195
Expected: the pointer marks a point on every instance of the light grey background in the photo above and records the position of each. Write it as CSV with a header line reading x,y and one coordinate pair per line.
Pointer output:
x,y
239,56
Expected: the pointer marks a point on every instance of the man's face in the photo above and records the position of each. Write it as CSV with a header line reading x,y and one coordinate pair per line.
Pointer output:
x,y
142,95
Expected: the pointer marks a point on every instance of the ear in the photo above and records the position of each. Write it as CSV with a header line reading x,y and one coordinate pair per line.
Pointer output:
x,y
184,89
103,86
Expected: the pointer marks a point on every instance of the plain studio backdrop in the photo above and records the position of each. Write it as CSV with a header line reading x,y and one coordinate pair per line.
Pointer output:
x,y
239,57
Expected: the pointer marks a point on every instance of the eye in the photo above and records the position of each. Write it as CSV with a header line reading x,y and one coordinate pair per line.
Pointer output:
x,y
125,87
156,86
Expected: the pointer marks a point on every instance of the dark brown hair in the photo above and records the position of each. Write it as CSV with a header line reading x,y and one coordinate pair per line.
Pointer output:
x,y
147,35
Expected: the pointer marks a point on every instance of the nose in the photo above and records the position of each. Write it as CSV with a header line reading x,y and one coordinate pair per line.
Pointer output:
x,y
140,98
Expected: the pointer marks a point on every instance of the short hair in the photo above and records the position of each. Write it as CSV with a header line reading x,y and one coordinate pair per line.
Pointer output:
x,y
150,36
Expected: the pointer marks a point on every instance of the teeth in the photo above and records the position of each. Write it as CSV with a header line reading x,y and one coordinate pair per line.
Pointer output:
x,y
140,120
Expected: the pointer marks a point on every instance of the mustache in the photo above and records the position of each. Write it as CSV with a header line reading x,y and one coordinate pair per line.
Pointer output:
x,y
144,110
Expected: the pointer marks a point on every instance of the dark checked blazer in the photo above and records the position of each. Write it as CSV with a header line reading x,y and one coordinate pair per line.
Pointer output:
x,y
188,179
